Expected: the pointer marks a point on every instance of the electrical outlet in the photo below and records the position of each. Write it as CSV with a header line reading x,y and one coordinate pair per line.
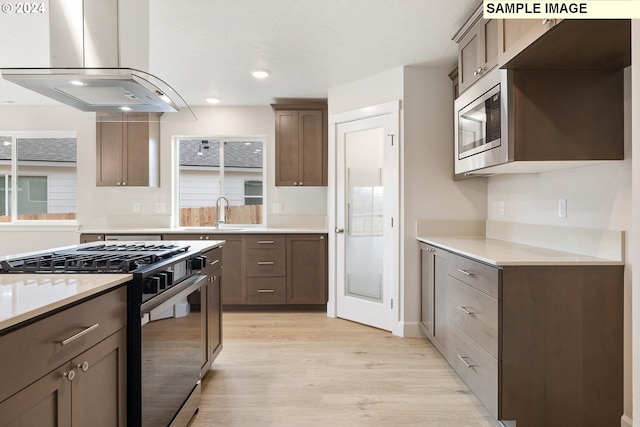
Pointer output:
x,y
161,207
562,208
276,208
136,208
501,207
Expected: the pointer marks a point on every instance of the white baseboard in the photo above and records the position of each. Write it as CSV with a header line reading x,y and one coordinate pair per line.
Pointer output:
x,y
626,421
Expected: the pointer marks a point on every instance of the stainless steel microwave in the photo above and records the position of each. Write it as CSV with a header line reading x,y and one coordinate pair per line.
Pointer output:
x,y
481,118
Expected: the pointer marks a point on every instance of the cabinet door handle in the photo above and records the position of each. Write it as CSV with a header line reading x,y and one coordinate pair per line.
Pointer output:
x,y
301,183
266,262
464,360
70,375
266,291
266,242
339,230
214,262
470,313
466,273
79,334
84,366
478,71
295,183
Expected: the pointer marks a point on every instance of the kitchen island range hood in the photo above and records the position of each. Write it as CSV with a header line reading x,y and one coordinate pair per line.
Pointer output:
x,y
89,41
98,89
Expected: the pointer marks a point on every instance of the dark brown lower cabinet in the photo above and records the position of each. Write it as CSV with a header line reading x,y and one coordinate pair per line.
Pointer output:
x,y
539,345
306,269
211,306
234,271
88,388
562,346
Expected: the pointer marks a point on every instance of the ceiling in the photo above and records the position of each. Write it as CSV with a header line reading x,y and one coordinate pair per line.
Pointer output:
x,y
207,48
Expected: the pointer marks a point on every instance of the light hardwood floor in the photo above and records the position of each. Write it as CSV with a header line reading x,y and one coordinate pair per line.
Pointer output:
x,y
305,369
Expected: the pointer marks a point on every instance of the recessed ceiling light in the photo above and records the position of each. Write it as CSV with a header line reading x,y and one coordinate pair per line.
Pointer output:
x,y
213,100
77,83
6,143
260,74
125,108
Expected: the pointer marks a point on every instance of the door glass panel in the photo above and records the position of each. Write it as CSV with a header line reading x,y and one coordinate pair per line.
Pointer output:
x,y
365,191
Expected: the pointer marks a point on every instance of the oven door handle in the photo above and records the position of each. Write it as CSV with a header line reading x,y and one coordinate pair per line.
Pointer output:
x,y
171,296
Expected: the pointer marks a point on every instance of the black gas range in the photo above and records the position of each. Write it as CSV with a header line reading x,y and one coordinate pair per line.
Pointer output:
x,y
163,297
155,266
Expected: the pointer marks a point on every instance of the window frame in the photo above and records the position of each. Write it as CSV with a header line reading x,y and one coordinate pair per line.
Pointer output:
x,y
175,174
14,172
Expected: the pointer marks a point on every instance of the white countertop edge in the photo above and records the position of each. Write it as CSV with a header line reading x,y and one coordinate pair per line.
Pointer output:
x,y
111,281
503,253
205,230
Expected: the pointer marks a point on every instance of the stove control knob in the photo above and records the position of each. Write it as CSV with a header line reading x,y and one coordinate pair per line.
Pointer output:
x,y
199,262
151,285
169,275
163,280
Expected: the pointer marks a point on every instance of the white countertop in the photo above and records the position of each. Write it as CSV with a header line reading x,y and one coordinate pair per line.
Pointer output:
x,y
504,253
25,296
205,230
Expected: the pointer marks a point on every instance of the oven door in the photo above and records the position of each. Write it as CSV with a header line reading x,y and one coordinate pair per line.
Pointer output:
x,y
172,343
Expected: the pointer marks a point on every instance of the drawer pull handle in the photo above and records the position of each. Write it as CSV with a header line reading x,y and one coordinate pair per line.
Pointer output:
x,y
465,272
266,242
266,262
470,313
464,360
214,262
266,291
79,334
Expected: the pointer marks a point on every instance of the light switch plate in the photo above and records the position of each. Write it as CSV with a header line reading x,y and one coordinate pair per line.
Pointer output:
x,y
501,207
276,208
562,208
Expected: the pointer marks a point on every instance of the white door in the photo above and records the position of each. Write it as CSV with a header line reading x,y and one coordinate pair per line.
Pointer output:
x,y
366,223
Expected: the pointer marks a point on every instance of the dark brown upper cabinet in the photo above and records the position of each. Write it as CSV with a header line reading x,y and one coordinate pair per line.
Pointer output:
x,y
301,143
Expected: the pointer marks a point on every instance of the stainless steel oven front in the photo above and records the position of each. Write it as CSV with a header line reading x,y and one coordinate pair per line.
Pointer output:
x,y
171,354
481,123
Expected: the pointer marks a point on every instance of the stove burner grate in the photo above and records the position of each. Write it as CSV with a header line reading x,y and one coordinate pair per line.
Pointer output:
x,y
121,258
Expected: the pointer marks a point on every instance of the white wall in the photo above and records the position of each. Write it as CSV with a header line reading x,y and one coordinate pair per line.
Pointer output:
x,y
426,164
428,191
112,207
597,197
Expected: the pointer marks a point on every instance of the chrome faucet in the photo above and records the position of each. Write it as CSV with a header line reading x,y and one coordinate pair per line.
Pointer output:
x,y
221,216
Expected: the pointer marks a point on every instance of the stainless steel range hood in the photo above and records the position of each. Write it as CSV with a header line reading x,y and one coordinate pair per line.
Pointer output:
x,y
87,38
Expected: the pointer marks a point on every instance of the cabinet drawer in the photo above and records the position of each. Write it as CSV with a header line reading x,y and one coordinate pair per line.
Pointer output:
x,y
266,241
30,352
266,290
214,260
475,366
475,313
266,262
476,274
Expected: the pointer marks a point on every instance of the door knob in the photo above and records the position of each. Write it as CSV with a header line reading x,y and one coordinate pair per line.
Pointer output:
x,y
339,230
